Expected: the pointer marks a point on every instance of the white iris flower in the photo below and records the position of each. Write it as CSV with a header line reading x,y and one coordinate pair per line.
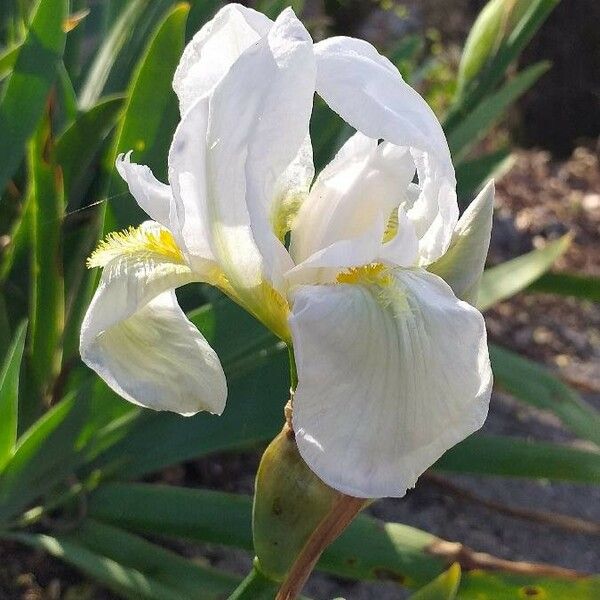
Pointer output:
x,y
392,362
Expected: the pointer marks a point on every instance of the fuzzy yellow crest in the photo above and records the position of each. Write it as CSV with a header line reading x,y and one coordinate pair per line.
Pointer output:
x,y
151,242
373,274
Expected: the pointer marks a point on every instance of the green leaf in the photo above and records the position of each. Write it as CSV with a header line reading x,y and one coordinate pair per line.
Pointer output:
x,y
99,70
492,26
24,95
483,454
8,59
568,284
77,146
200,13
479,584
67,98
189,579
369,549
151,113
535,385
482,118
505,280
471,175
9,395
443,587
124,581
48,302
202,515
45,455
508,51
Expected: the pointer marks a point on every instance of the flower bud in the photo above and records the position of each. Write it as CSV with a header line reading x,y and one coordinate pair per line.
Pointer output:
x,y
289,503
493,25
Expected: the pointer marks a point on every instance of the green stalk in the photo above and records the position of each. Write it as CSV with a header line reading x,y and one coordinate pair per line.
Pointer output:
x,y
255,586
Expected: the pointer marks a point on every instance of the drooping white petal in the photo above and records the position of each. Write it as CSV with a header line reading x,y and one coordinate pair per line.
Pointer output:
x,y
212,51
153,196
259,115
350,203
462,265
369,93
402,374
135,336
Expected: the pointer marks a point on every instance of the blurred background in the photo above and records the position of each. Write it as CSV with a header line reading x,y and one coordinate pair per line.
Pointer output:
x,y
541,143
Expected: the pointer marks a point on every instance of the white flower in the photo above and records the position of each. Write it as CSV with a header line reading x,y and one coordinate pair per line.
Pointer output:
x,y
393,367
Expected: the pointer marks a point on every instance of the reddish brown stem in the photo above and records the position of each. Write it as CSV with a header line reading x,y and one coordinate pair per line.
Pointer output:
x,y
340,516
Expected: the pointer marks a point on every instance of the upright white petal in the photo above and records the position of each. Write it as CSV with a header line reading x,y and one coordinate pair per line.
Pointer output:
x,y
259,115
367,91
136,337
188,178
342,221
401,374
462,265
212,51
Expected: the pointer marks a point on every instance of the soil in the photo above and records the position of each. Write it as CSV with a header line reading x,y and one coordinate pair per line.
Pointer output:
x,y
537,201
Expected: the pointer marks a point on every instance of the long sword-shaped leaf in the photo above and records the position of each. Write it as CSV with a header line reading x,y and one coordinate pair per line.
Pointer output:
x,y
23,98
150,114
568,284
9,395
45,455
483,454
471,175
505,280
508,51
107,54
532,383
190,580
126,582
478,122
47,282
368,549
76,147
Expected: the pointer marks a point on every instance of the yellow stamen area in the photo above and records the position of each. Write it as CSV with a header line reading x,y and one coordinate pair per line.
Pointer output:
x,y
379,278
140,241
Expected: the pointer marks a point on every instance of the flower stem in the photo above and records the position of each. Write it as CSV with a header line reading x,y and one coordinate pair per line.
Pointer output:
x,y
255,586
340,516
